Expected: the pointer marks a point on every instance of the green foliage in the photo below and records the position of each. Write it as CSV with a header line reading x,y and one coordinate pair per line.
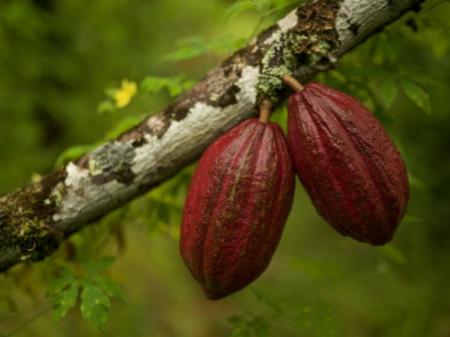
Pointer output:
x,y
318,321
318,284
64,293
417,94
194,46
384,65
74,152
93,290
263,8
388,91
256,326
175,85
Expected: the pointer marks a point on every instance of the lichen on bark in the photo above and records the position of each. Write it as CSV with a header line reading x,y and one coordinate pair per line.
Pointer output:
x,y
26,223
308,43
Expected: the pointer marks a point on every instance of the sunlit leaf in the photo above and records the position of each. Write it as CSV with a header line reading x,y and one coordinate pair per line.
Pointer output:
x,y
262,7
65,300
237,8
105,106
111,288
393,253
95,305
175,85
123,125
417,94
194,46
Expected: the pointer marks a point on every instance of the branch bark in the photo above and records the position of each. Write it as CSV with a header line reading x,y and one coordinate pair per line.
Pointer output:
x,y
312,38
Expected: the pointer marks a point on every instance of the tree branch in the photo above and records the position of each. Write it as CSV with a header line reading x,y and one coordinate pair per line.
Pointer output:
x,y
310,39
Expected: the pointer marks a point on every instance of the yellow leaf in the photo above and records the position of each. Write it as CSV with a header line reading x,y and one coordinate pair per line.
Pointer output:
x,y
126,92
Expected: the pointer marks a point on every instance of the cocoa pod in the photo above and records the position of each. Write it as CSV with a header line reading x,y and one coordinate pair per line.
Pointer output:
x,y
347,163
237,204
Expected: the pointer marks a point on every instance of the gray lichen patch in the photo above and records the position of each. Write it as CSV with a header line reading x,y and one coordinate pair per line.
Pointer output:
x,y
112,162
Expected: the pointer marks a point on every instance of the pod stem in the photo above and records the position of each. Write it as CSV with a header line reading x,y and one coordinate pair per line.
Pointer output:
x,y
292,82
265,108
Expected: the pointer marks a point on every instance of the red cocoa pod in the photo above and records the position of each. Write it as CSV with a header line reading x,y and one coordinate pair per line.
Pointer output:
x,y
238,202
346,161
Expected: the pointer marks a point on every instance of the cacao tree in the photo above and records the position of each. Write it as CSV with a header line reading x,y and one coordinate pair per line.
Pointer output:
x,y
94,230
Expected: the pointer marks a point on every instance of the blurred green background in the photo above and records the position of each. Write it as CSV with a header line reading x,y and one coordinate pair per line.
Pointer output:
x,y
63,65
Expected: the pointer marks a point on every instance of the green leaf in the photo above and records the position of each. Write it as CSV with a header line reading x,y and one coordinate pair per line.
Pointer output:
x,y
106,106
64,301
264,298
63,293
263,7
260,326
175,85
412,218
234,319
194,46
252,326
415,181
73,153
111,288
123,125
238,8
388,90
393,253
95,305
99,265
417,94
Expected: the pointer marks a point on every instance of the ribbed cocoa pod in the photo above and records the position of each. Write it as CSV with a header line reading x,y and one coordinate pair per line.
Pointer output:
x,y
347,163
238,202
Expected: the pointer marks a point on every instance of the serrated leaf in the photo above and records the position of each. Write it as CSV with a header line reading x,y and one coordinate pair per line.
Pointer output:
x,y
63,293
388,90
59,284
62,302
111,288
417,94
95,305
